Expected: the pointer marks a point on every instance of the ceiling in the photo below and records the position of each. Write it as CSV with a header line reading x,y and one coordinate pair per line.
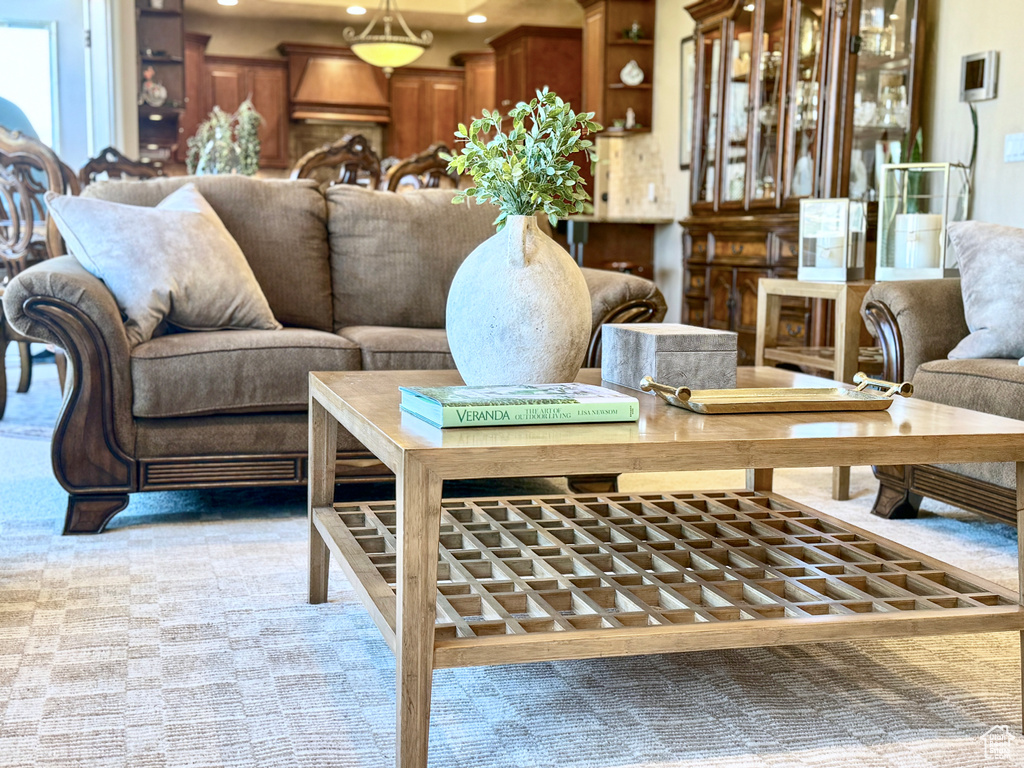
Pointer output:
x,y
435,15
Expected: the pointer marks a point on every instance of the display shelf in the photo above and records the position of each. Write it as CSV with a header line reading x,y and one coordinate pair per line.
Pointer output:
x,y
155,59
823,358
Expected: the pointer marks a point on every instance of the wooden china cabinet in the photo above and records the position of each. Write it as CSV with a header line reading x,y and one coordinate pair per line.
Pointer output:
x,y
793,98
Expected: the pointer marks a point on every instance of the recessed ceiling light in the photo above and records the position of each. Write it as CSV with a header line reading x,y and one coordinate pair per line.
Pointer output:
x,y
355,10
748,7
476,18
227,2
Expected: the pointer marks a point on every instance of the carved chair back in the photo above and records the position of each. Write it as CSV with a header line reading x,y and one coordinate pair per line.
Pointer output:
x,y
28,170
427,170
349,160
116,166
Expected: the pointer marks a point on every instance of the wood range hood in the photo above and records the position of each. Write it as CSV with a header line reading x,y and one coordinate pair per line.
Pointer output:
x,y
330,83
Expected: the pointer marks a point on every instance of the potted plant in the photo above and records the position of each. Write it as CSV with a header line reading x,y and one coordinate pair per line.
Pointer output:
x,y
519,309
226,143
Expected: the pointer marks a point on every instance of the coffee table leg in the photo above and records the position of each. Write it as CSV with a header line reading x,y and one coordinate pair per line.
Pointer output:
x,y
841,483
323,453
760,479
418,494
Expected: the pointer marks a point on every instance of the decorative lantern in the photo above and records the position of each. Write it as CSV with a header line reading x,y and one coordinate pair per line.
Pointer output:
x,y
833,234
913,210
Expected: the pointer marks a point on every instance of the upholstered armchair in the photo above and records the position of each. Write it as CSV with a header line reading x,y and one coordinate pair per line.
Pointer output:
x,y
917,324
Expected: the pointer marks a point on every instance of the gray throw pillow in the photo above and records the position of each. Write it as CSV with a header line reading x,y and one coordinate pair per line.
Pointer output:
x,y
991,261
174,262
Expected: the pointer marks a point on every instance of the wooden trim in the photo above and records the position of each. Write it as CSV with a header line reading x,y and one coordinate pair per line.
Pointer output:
x,y
86,455
308,49
198,37
887,331
462,57
639,311
533,32
245,61
901,489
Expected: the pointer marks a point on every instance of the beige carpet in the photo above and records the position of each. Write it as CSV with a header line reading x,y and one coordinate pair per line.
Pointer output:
x,y
181,638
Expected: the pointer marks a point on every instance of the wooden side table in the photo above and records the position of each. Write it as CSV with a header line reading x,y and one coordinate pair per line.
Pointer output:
x,y
841,361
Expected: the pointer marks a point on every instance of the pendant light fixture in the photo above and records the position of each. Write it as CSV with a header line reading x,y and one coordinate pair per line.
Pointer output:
x,y
383,48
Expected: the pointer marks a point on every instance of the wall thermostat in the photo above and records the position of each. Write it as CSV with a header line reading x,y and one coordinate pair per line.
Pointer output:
x,y
979,73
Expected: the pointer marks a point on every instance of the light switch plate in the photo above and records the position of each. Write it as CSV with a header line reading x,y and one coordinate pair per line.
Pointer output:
x,y
1013,148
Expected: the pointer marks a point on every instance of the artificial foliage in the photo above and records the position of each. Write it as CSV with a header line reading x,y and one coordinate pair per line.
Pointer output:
x,y
226,143
529,168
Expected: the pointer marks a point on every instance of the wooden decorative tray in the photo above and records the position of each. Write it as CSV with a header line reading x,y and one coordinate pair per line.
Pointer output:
x,y
870,395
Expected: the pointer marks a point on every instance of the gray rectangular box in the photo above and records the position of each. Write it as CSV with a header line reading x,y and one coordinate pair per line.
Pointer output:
x,y
670,353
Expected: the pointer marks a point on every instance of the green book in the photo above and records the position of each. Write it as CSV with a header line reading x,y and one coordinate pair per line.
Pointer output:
x,y
509,406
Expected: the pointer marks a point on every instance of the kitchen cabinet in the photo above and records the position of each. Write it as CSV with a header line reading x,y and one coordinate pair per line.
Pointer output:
x,y
529,58
230,80
427,106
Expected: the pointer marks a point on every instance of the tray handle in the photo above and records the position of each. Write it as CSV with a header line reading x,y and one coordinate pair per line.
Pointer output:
x,y
671,395
889,389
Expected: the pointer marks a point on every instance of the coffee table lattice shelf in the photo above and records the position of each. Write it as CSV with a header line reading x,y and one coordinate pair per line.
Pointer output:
x,y
527,579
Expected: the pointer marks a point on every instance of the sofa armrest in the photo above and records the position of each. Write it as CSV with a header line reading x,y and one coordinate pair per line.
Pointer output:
x,y
59,302
914,321
619,298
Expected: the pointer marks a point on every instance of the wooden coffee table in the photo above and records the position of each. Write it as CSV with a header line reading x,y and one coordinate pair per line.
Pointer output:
x,y
538,578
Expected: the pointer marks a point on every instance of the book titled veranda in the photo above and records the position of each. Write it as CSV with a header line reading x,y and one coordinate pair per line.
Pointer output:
x,y
518,405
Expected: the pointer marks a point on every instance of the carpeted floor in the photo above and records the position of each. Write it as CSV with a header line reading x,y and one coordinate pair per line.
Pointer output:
x,y
181,638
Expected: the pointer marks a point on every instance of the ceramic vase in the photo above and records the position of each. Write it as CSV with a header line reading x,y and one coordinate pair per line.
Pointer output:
x,y
518,310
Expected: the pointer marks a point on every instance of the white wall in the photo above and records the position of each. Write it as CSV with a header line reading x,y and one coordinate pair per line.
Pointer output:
x,y
957,28
672,25
73,132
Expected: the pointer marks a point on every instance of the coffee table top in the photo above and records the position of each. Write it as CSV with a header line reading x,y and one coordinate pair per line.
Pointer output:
x,y
665,438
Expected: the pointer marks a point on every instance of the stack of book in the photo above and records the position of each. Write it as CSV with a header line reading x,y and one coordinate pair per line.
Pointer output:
x,y
507,406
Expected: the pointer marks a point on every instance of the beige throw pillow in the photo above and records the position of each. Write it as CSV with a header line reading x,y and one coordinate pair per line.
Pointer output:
x,y
174,262
991,259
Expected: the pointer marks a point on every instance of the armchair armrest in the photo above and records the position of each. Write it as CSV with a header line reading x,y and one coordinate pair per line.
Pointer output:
x,y
915,321
59,302
619,298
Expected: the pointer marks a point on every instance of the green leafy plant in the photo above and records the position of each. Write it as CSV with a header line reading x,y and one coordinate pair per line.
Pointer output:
x,y
529,168
226,143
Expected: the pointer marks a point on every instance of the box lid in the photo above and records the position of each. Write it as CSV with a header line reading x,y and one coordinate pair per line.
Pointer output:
x,y
673,337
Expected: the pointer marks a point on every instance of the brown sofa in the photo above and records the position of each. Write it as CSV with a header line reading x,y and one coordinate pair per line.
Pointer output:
x,y
359,280
917,323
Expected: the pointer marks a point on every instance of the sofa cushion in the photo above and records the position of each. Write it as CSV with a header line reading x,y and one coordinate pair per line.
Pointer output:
x,y
189,374
990,386
991,259
174,262
281,227
393,257
401,349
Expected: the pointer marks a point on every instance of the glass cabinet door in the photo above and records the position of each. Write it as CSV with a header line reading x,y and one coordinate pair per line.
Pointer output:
x,y
709,76
882,92
737,104
768,100
805,68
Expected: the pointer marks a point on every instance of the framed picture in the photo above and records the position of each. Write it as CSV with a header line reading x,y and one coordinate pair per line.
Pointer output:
x,y
687,73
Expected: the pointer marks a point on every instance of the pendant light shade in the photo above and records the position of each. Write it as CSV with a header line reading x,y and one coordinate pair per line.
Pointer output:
x,y
381,47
